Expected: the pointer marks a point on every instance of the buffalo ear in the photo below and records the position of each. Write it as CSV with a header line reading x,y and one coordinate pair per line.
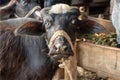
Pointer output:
x,y
30,28
88,27
74,11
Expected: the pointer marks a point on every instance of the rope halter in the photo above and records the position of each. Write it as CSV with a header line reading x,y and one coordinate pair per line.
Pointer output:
x,y
60,33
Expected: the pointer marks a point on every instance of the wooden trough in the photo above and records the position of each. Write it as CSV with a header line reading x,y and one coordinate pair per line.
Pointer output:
x,y
103,60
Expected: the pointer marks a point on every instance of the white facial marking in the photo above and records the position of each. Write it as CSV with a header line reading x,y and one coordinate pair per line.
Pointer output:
x,y
60,8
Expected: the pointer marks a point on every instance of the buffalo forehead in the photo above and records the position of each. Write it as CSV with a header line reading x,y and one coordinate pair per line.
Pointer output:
x,y
60,8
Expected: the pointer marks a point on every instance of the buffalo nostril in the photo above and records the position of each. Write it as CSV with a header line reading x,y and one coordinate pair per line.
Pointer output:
x,y
64,47
60,47
60,44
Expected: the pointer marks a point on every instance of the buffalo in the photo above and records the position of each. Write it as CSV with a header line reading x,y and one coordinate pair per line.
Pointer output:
x,y
24,6
7,10
27,8
25,54
61,23
32,51
20,8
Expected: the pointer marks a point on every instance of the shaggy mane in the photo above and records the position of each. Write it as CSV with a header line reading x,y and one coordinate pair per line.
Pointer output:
x,y
24,58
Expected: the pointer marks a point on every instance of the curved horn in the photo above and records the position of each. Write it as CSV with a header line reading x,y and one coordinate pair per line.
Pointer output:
x,y
38,13
44,12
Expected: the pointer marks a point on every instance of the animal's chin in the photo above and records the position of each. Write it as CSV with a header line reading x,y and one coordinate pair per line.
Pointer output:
x,y
57,57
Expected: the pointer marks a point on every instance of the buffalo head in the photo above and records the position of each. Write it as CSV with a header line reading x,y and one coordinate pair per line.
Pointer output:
x,y
60,34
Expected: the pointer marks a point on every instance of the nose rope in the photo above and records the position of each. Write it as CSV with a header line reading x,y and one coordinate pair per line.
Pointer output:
x,y
60,33
64,34
30,12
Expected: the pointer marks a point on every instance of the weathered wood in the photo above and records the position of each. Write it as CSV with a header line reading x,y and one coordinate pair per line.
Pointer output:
x,y
103,60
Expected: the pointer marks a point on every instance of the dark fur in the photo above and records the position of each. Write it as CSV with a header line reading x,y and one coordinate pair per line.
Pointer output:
x,y
88,27
24,6
7,9
40,2
3,2
24,57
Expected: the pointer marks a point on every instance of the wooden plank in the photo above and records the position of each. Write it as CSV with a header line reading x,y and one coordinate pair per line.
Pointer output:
x,y
103,60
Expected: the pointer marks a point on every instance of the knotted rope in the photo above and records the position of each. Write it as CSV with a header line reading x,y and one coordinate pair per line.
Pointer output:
x,y
60,33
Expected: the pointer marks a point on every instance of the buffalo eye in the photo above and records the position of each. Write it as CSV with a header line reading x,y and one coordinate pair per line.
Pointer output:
x,y
47,24
74,21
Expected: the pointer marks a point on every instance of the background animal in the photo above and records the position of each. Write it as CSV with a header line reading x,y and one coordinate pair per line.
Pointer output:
x,y
20,8
27,8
